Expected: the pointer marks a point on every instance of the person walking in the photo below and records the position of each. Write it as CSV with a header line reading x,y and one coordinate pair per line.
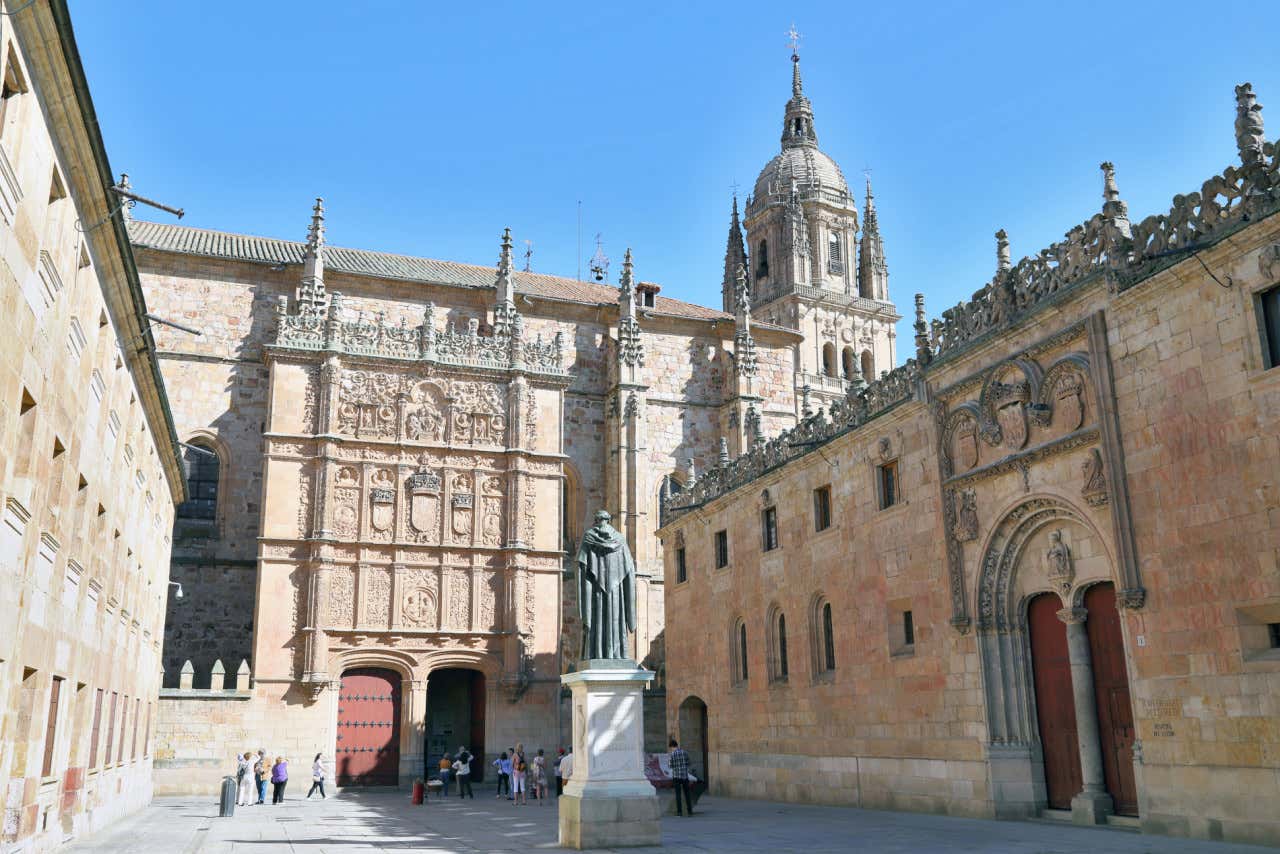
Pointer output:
x,y
540,777
279,778
244,779
462,767
559,779
317,777
446,769
261,772
519,770
566,765
680,775
503,764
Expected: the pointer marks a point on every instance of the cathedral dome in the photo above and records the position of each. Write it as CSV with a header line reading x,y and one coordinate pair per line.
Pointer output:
x,y
804,164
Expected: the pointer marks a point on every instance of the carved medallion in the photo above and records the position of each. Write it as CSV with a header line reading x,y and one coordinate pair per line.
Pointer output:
x,y
964,446
419,607
1012,418
382,509
1068,403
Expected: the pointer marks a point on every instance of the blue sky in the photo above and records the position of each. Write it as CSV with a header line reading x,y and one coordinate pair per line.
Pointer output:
x,y
428,127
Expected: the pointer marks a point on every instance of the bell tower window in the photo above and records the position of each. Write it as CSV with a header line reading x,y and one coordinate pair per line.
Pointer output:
x,y
762,260
835,255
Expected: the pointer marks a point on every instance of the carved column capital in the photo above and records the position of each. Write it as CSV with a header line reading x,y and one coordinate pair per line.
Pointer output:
x,y
1073,616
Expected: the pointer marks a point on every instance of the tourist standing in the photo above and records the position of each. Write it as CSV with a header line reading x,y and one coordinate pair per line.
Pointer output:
x,y
261,771
279,777
680,775
503,764
566,765
244,779
446,769
463,768
519,770
317,777
559,779
540,777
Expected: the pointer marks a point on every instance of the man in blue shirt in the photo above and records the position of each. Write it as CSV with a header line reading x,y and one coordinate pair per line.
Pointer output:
x,y
680,776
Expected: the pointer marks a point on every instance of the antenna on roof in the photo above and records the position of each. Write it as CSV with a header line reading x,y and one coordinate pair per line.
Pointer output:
x,y
579,240
528,256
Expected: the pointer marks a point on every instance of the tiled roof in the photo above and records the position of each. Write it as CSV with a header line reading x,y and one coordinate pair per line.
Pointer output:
x,y
363,262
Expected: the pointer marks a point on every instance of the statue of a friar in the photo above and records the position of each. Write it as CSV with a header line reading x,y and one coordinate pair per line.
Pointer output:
x,y
606,591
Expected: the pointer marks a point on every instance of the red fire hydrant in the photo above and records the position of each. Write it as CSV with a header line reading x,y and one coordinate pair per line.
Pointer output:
x,y
417,791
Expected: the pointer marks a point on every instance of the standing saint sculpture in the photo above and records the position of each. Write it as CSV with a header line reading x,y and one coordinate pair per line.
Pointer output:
x,y
606,591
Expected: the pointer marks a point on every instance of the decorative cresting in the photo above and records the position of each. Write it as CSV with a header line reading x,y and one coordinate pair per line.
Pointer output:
x,y
1002,630
1109,246
857,408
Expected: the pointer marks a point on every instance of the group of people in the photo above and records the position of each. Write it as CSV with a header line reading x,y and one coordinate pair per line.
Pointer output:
x,y
518,774
254,771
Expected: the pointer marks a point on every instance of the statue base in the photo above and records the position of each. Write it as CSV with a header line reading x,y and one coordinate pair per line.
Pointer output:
x,y
607,801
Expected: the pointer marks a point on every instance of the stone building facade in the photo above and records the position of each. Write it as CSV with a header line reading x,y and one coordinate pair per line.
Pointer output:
x,y
89,466
1033,571
397,455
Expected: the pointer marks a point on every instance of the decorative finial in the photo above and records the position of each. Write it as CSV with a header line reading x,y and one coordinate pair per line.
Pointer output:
x,y
924,354
504,255
692,475
1112,206
315,232
741,295
806,408
724,452
599,263
126,210
1002,252
1249,135
627,281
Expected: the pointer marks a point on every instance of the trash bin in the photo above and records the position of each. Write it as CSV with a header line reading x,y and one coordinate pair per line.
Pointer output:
x,y
227,804
417,791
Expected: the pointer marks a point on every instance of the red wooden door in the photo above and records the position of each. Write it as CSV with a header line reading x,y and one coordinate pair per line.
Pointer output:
x,y
1055,707
1111,690
368,748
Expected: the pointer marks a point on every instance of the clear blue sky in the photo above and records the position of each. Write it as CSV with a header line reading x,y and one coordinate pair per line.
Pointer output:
x,y
428,127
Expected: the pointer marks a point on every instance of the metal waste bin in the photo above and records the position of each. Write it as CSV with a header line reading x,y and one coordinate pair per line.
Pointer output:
x,y
227,804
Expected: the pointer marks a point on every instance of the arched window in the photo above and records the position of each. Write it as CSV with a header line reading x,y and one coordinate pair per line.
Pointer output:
x,y
828,639
776,637
762,260
848,362
835,254
868,366
822,638
738,652
829,359
571,510
782,646
203,470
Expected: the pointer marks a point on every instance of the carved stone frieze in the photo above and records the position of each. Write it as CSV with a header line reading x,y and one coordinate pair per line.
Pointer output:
x,y
377,596
342,597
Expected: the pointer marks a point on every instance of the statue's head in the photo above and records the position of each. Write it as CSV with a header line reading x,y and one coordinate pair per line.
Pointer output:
x,y
602,517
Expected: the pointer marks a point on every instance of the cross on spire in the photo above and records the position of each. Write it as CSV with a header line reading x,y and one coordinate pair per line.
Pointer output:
x,y
793,42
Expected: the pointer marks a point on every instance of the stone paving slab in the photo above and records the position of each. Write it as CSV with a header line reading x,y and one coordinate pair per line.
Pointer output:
x,y
373,821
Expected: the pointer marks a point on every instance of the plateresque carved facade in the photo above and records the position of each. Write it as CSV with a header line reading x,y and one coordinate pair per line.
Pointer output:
x,y
395,455
1033,571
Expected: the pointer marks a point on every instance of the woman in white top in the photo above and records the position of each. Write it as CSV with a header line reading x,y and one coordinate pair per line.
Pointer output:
x,y
317,777
245,783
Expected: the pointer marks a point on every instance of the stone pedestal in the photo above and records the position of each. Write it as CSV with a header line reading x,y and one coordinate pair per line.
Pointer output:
x,y
607,801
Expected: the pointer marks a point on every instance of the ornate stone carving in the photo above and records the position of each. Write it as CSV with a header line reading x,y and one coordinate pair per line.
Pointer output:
x,y
462,509
1094,490
459,587
377,593
423,487
1269,262
1009,401
311,400
341,597
1059,567
418,607
366,405
630,342
966,527
306,486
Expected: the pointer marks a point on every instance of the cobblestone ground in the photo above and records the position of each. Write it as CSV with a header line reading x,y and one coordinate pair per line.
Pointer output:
x,y
384,821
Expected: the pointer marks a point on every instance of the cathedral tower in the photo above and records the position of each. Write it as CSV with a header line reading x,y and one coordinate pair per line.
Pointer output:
x,y
802,230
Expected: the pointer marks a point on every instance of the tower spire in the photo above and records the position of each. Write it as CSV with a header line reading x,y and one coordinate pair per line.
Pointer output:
x,y
505,316
311,295
797,127
735,256
873,272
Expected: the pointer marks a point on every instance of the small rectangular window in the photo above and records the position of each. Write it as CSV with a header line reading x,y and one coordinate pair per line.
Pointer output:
x,y
888,484
51,728
722,549
1268,303
769,528
908,629
682,573
95,733
1273,632
822,508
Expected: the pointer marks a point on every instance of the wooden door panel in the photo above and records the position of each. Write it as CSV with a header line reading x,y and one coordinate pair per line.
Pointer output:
x,y
1055,705
1111,691
368,741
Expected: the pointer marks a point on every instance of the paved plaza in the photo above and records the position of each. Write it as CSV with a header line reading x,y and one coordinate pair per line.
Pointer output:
x,y
373,821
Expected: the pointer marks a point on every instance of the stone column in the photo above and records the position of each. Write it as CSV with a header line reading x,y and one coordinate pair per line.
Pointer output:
x,y
413,724
1092,805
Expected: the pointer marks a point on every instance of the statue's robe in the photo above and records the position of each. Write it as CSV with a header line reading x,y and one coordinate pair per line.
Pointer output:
x,y
606,593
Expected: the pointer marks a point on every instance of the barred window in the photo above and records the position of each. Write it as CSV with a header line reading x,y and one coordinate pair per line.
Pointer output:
x,y
835,255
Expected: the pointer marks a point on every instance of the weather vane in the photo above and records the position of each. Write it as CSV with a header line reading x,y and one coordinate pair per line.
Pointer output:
x,y
793,41
599,263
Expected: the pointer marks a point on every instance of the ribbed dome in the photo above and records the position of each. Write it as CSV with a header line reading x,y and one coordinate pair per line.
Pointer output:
x,y
807,165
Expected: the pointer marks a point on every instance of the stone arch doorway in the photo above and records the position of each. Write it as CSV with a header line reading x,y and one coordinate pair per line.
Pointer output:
x,y
367,751
455,717
692,722
1044,693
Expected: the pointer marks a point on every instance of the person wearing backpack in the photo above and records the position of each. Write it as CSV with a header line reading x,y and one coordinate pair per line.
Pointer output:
x,y
462,769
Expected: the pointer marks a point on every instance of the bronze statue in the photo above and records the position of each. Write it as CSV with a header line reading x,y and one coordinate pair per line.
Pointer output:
x,y
606,591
